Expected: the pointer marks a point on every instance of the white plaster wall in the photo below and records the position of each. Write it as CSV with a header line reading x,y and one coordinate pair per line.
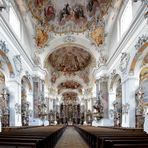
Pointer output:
x,y
115,39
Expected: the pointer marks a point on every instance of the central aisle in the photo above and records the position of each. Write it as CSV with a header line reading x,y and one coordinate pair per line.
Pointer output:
x,y
71,139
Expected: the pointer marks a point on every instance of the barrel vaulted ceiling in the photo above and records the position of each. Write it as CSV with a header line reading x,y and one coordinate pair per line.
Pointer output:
x,y
69,38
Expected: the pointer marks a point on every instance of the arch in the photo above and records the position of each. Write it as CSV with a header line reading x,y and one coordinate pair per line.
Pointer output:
x,y
144,74
143,78
65,45
2,81
137,56
117,99
70,90
4,101
8,63
116,78
74,78
25,79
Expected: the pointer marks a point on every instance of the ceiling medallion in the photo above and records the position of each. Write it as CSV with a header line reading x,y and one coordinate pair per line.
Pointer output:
x,y
69,59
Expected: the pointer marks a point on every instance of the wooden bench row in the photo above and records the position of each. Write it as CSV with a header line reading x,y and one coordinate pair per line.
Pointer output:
x,y
41,137
98,137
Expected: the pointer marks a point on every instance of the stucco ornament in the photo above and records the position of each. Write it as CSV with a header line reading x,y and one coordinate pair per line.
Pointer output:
x,y
3,47
41,38
18,108
18,64
141,40
69,39
124,62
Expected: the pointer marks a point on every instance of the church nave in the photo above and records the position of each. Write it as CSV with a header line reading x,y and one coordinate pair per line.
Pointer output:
x,y
71,139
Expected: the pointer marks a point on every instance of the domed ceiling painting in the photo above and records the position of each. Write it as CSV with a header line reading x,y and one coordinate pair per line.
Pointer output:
x,y
70,59
69,85
69,66
68,15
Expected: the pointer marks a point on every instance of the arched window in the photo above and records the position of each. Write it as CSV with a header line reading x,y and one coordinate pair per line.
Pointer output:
x,y
14,22
126,18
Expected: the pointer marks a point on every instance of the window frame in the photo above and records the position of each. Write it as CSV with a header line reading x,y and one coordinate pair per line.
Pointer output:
x,y
17,33
121,34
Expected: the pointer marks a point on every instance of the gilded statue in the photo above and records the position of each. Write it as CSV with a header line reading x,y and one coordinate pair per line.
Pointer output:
x,y
41,38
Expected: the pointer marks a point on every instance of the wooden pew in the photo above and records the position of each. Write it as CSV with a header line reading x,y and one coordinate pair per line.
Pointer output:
x,y
41,137
98,137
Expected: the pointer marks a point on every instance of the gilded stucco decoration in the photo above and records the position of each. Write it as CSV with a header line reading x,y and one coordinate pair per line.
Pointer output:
x,y
98,35
145,60
144,74
68,16
141,46
41,38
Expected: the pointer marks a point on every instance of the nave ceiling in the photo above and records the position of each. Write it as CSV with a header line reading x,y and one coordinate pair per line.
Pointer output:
x,y
61,34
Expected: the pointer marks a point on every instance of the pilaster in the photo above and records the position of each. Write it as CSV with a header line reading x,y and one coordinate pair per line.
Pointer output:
x,y
14,87
129,86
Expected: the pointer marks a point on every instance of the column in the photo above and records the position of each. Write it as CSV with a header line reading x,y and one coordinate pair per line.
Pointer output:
x,y
14,87
112,97
85,112
50,104
30,99
104,94
129,87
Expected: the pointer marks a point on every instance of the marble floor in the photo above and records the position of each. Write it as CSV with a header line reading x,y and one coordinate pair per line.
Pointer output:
x,y
71,139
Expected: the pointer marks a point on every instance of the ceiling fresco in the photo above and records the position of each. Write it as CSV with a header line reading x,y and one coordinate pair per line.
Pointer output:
x,y
77,15
70,67
69,85
69,59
